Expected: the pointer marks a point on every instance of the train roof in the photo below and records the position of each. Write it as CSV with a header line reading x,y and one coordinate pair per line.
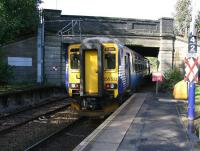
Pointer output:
x,y
95,42
89,43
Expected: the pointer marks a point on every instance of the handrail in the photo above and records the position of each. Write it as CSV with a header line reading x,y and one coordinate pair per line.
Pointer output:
x,y
69,29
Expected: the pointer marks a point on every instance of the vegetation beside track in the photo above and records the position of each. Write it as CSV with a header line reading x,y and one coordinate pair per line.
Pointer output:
x,y
197,99
171,77
197,110
6,71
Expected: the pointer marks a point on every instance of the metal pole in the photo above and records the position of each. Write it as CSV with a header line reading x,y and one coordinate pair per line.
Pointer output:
x,y
61,61
79,24
191,129
191,101
43,47
192,49
56,4
156,87
72,27
39,47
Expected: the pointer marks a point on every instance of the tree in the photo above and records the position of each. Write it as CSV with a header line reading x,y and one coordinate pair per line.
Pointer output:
x,y
17,18
198,22
182,16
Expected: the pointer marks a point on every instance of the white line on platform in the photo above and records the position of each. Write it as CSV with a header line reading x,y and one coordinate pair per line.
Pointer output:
x,y
88,139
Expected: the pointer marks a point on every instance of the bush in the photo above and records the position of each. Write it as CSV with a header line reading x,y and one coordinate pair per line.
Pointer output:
x,y
6,71
171,77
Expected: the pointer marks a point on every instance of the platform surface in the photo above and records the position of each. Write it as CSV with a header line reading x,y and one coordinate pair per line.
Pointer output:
x,y
143,123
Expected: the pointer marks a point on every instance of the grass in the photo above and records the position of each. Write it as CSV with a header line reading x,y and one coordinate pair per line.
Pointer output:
x,y
197,110
197,98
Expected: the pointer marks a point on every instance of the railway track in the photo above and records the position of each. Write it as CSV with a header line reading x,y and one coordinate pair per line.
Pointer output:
x,y
73,133
11,121
36,128
52,136
51,124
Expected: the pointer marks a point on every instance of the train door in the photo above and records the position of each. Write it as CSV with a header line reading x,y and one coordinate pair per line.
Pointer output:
x,y
127,69
91,72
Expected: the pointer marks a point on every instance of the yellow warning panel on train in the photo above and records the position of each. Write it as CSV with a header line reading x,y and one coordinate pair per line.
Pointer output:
x,y
91,72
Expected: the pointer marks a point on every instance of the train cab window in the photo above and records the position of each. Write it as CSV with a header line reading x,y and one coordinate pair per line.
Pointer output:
x,y
109,60
75,61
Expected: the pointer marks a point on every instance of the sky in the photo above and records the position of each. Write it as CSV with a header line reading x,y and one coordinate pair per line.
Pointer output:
x,y
139,9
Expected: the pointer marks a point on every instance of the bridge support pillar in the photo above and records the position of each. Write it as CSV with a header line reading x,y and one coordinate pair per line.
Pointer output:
x,y
165,55
166,52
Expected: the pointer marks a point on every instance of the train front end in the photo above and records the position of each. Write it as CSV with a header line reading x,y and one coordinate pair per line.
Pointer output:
x,y
98,73
73,70
110,62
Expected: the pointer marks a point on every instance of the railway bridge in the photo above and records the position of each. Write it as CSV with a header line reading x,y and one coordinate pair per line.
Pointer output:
x,y
148,37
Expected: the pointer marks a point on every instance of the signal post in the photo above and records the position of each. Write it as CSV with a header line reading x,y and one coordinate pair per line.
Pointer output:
x,y
191,70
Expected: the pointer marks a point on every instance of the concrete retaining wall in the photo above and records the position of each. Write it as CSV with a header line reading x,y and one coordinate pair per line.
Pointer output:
x,y
25,49
54,61
19,100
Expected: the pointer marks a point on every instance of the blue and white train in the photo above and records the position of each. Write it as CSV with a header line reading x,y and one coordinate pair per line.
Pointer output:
x,y
99,68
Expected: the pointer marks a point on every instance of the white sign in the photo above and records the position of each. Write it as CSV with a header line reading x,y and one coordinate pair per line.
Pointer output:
x,y
20,61
191,69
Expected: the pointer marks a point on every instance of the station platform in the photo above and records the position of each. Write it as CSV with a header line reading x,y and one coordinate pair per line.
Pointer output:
x,y
143,123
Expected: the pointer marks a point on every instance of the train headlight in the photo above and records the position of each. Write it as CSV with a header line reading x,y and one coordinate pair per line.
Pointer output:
x,y
73,85
112,86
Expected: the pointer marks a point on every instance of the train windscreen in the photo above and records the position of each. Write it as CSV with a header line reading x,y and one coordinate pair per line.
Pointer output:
x,y
109,60
75,59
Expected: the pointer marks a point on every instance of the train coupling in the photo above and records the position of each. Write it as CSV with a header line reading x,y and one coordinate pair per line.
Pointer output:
x,y
90,104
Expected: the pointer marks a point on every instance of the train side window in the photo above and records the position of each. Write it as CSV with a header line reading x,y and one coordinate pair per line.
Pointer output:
x,y
136,67
109,60
133,63
75,61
